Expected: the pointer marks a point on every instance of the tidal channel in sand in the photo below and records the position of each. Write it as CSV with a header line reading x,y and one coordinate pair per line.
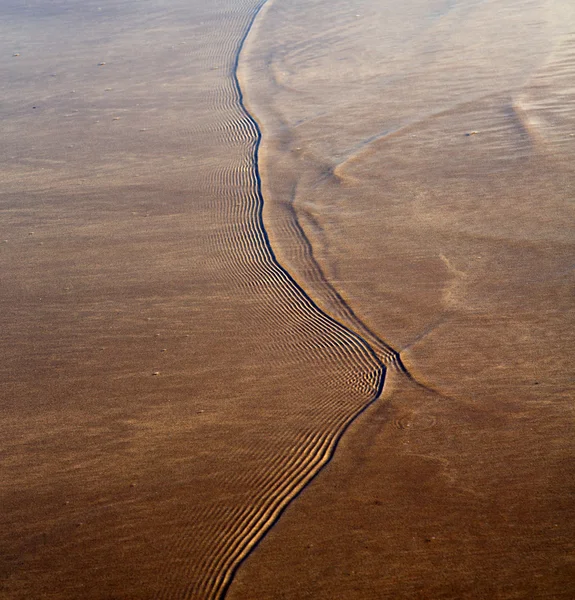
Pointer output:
x,y
424,151
178,365
168,386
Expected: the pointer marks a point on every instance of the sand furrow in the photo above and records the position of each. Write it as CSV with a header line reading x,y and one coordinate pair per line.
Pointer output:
x,y
304,332
263,516
219,385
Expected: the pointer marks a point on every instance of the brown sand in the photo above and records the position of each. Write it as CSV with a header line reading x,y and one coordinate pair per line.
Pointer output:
x,y
167,386
431,171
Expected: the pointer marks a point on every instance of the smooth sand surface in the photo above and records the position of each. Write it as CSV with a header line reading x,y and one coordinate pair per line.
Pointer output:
x,y
179,365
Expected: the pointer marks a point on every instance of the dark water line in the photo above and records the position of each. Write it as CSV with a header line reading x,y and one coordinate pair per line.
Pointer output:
x,y
268,246
396,360
381,367
236,567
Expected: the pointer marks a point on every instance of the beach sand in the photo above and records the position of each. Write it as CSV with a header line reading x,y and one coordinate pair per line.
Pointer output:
x,y
431,171
218,250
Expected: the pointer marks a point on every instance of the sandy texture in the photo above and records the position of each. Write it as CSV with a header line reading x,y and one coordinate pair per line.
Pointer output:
x,y
167,386
180,358
425,152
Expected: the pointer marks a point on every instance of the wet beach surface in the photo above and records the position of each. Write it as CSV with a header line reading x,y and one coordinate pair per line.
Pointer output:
x,y
225,228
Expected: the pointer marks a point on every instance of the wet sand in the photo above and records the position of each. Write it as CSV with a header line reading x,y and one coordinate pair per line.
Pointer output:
x,y
225,232
169,387
431,172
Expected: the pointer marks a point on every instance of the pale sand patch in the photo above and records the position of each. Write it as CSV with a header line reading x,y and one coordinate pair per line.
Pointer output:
x,y
427,153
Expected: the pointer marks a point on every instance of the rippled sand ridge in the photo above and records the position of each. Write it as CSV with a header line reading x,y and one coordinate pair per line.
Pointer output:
x,y
234,231
170,386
